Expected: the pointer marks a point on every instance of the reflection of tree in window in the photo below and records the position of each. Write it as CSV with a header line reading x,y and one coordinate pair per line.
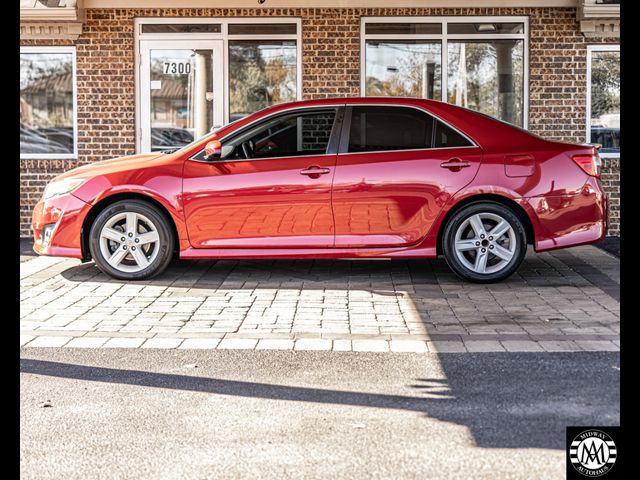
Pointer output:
x,y
487,77
605,100
261,73
605,83
403,69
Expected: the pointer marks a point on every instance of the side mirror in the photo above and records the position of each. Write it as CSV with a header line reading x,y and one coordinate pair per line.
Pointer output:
x,y
213,150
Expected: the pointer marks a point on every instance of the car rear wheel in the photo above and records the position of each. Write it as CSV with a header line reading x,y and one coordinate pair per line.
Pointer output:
x,y
131,240
484,242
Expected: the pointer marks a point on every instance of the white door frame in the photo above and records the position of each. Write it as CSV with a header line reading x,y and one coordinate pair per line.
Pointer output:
x,y
216,46
222,36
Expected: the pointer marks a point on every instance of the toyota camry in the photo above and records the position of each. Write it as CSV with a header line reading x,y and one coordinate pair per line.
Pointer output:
x,y
338,178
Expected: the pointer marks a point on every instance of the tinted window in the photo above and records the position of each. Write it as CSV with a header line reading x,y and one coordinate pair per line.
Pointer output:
x,y
447,137
389,128
291,135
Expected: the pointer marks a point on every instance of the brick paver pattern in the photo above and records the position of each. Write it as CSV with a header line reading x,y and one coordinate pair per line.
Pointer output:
x,y
566,300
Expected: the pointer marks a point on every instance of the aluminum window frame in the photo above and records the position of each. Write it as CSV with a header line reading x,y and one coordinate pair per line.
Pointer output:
x,y
74,87
444,38
590,50
224,35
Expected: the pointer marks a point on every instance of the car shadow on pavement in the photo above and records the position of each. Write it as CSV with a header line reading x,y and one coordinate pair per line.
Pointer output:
x,y
506,400
336,273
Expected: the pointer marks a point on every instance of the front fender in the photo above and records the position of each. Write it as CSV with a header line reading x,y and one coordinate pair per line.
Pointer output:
x,y
99,190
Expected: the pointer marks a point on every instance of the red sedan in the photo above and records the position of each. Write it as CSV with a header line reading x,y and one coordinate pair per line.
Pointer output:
x,y
339,178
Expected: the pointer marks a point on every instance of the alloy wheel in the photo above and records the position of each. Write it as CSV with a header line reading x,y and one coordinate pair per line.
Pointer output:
x,y
129,242
485,243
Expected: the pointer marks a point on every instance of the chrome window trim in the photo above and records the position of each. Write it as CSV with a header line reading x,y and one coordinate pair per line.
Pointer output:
x,y
407,150
261,159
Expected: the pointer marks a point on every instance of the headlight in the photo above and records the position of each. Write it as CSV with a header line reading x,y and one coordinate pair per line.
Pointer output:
x,y
60,187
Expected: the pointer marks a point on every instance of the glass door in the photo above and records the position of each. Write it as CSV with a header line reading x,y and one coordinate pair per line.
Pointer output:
x,y
182,92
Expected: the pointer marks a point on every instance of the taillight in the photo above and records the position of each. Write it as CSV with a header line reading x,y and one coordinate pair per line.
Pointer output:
x,y
590,164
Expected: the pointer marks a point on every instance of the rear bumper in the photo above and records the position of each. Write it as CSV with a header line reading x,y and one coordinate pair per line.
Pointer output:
x,y
562,221
66,214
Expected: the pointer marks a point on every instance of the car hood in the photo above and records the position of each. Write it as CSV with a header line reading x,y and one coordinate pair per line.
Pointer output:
x,y
112,166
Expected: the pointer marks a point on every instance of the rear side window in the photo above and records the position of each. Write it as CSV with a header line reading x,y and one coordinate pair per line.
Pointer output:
x,y
389,128
445,136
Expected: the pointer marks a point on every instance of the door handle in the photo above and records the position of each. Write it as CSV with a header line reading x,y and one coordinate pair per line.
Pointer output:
x,y
455,164
314,171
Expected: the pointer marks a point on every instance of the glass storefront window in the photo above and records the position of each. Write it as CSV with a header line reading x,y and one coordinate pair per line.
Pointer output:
x,y
403,28
403,68
262,28
195,77
181,28
474,62
261,73
487,77
484,28
47,99
604,94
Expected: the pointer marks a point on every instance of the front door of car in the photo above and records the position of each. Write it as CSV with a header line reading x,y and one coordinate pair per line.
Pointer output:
x,y
270,189
397,167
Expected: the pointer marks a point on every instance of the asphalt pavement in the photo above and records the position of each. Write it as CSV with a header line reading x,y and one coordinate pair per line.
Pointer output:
x,y
200,414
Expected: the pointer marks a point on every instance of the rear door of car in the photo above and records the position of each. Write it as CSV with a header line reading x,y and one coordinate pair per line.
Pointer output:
x,y
397,167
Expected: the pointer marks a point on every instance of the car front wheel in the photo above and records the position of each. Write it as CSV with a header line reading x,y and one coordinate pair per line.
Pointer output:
x,y
484,242
131,240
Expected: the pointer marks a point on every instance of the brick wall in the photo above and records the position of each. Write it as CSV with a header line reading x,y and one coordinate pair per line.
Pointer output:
x,y
331,67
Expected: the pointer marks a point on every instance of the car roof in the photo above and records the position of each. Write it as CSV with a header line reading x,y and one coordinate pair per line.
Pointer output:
x,y
487,132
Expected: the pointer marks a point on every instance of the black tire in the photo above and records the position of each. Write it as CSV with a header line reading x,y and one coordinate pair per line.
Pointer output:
x,y
459,219
160,259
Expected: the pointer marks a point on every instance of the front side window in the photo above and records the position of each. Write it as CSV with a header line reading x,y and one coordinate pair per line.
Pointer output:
x,y
473,62
389,128
47,103
603,109
300,134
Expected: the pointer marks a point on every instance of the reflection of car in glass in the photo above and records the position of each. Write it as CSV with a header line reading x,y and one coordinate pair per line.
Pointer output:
x,y
166,138
46,140
609,138
234,117
338,178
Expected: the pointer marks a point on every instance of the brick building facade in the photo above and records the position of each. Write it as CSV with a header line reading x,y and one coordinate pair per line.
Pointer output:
x,y
107,98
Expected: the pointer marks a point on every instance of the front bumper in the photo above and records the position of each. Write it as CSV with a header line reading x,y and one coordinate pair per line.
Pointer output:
x,y
66,213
